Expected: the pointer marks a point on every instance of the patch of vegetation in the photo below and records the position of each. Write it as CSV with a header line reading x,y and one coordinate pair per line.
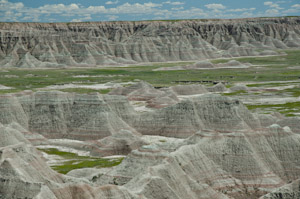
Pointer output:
x,y
85,90
228,85
288,109
292,58
105,91
6,91
267,85
235,93
294,91
75,161
275,69
66,155
75,164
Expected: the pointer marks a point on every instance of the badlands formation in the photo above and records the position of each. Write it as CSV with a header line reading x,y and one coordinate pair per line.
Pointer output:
x,y
111,43
189,141
206,146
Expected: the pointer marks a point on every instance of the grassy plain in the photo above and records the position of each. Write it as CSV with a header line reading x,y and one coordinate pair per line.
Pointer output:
x,y
275,68
272,71
74,161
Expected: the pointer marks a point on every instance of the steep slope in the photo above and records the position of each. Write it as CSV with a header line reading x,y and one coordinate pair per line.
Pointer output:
x,y
105,43
227,152
94,116
208,111
24,174
66,115
245,164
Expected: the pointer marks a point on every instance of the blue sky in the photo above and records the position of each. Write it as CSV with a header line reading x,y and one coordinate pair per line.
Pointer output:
x,y
120,10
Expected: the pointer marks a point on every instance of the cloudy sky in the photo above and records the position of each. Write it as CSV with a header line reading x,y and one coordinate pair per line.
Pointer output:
x,y
115,10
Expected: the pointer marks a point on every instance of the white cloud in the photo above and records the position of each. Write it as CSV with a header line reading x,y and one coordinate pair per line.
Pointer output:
x,y
151,5
296,6
96,9
289,11
215,6
272,12
85,17
58,8
272,5
76,20
189,14
32,17
74,6
5,5
111,2
268,3
11,11
241,9
178,8
112,17
77,12
19,12
137,8
174,3
294,9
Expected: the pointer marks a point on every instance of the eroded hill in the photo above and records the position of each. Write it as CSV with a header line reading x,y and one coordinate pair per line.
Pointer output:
x,y
220,128
106,43
207,146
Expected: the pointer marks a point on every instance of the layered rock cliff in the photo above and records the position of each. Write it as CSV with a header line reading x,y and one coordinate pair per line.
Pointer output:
x,y
94,116
104,43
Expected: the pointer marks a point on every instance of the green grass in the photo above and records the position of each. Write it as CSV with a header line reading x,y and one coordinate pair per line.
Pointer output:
x,y
9,91
275,69
270,84
295,92
292,58
288,109
66,155
235,93
74,164
105,91
74,161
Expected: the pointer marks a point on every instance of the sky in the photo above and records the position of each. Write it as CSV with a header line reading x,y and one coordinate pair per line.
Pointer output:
x,y
133,10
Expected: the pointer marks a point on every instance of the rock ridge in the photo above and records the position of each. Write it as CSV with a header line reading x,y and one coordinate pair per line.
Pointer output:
x,y
106,43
